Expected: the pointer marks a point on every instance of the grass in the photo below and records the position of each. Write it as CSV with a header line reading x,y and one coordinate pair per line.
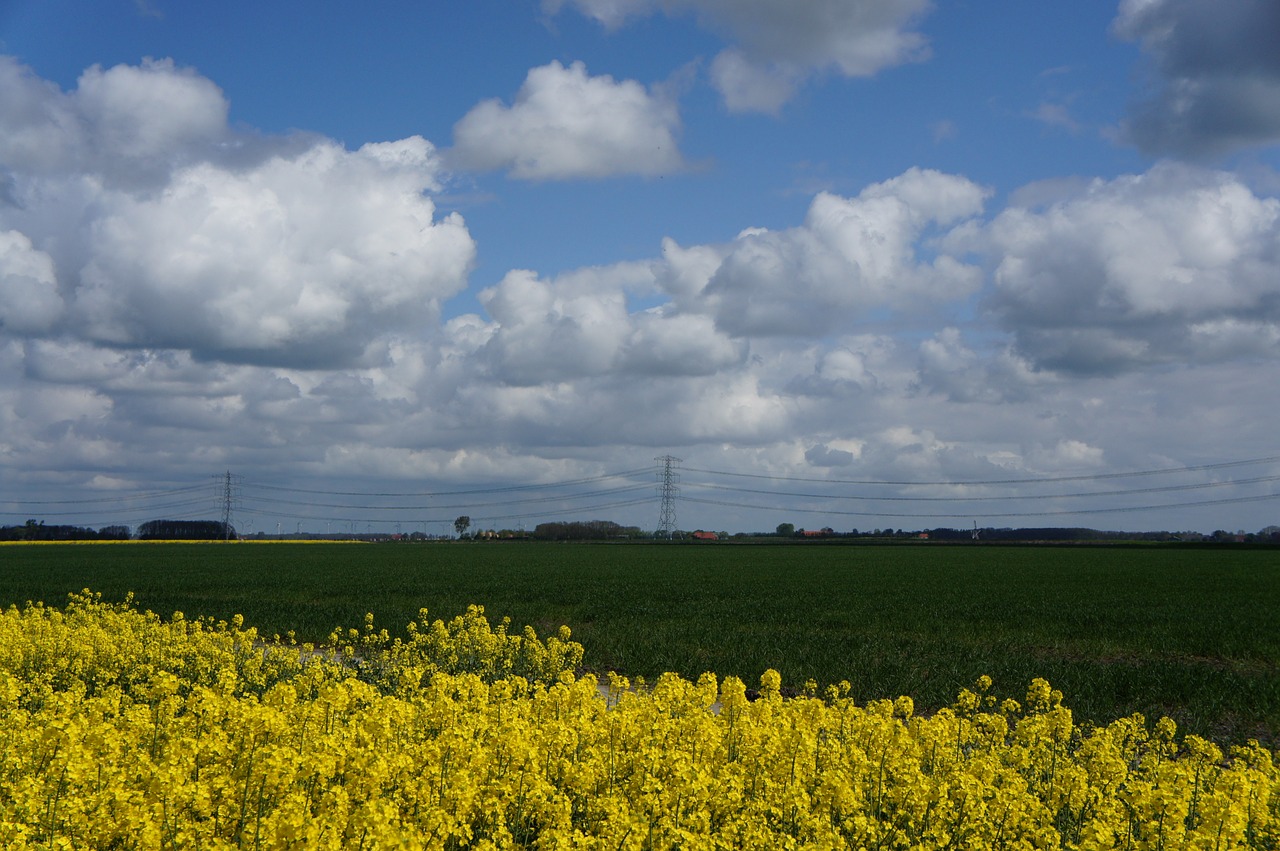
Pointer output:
x,y
1193,633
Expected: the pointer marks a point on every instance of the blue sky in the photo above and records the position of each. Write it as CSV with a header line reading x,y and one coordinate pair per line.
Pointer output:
x,y
419,248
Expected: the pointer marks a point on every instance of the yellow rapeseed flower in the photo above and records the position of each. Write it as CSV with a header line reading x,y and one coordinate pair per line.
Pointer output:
x,y
120,729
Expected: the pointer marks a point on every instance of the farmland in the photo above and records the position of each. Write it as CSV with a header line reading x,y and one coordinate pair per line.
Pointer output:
x,y
1193,633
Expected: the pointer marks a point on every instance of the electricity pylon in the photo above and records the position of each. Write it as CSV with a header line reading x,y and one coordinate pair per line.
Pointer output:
x,y
667,478
229,492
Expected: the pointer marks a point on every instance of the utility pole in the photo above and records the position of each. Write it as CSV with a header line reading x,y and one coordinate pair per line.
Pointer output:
x,y
667,489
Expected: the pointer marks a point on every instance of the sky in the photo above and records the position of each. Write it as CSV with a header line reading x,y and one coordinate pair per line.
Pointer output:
x,y
854,263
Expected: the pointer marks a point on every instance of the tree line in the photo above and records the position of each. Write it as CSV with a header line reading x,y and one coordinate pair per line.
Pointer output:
x,y
585,530
186,530
34,530
152,530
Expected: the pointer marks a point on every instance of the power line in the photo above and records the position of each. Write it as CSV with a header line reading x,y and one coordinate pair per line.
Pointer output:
x,y
425,506
604,506
1020,497
952,515
125,511
1025,481
619,490
500,489
601,507
116,497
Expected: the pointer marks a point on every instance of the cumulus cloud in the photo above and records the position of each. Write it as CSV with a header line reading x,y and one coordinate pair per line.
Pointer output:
x,y
777,43
683,272
567,124
579,326
949,366
849,255
1065,454
185,297
662,345
137,219
546,333
822,455
855,365
42,131
1177,264
31,304
126,124
301,259
1216,74
754,86
150,110
855,38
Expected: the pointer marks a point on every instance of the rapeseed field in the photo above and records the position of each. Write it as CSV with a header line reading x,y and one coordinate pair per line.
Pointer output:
x,y
1192,632
120,729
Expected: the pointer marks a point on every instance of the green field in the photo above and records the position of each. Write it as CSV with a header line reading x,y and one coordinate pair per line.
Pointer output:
x,y
1193,633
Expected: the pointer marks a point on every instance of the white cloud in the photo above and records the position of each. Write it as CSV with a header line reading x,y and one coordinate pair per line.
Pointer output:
x,y
849,365
850,254
683,344
855,37
30,304
610,13
1056,115
42,131
136,219
777,43
1074,455
683,273
129,125
566,124
579,326
948,365
331,249
822,455
150,110
187,297
748,86
1216,74
546,335
1168,265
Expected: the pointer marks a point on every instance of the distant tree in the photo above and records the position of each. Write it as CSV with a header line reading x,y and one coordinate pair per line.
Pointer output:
x,y
786,530
461,525
34,530
584,530
185,530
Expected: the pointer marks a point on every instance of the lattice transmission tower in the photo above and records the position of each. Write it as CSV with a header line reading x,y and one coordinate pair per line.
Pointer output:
x,y
667,488
228,499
